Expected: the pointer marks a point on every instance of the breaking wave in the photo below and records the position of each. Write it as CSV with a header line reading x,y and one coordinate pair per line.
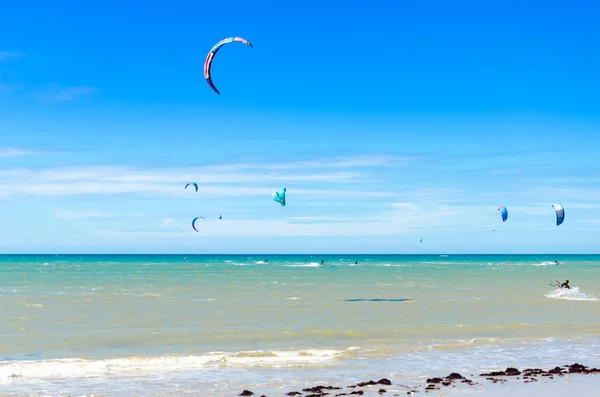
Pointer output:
x,y
573,294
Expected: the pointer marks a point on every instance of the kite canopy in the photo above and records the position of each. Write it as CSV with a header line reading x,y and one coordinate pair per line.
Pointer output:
x,y
504,213
211,54
560,213
279,196
194,222
194,184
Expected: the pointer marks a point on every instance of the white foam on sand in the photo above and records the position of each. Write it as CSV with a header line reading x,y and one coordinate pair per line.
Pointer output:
x,y
80,368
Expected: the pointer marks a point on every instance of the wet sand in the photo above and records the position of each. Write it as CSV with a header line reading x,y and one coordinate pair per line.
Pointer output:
x,y
572,386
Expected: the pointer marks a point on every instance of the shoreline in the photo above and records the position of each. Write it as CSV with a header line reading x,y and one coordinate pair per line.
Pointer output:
x,y
519,381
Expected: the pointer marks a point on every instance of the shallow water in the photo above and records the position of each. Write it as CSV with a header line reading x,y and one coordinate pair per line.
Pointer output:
x,y
125,325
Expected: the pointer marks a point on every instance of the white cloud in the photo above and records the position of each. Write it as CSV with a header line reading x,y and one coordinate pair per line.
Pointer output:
x,y
50,93
166,222
347,162
54,93
361,161
583,206
78,215
407,206
170,175
323,201
140,214
594,222
219,181
172,190
266,228
424,216
14,152
312,218
392,222
10,55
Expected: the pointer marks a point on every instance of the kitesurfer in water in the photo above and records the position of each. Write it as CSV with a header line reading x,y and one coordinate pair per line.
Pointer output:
x,y
556,262
322,261
565,285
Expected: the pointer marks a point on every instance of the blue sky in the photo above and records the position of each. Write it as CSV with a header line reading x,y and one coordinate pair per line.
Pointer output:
x,y
387,121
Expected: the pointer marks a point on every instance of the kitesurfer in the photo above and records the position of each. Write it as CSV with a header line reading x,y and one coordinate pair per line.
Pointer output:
x,y
556,262
322,261
565,285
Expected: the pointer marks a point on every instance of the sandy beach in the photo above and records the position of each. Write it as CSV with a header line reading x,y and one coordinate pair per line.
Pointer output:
x,y
573,380
572,385
577,386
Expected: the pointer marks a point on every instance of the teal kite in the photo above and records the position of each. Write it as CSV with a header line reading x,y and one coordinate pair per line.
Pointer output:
x,y
279,196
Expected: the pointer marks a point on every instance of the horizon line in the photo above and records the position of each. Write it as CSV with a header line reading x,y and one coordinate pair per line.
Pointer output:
x,y
306,254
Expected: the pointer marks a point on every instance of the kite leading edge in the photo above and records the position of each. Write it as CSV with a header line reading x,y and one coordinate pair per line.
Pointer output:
x,y
213,51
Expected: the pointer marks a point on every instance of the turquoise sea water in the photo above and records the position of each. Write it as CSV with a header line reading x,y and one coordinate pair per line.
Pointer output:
x,y
125,325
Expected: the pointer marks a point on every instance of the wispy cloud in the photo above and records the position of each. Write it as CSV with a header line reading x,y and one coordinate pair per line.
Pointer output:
x,y
78,215
407,206
7,84
166,222
14,152
173,175
363,161
394,218
327,197
87,214
173,190
227,180
51,93
263,228
390,222
423,215
312,218
10,55
54,93
347,162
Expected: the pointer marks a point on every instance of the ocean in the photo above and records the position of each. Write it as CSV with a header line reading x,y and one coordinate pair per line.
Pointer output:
x,y
214,325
